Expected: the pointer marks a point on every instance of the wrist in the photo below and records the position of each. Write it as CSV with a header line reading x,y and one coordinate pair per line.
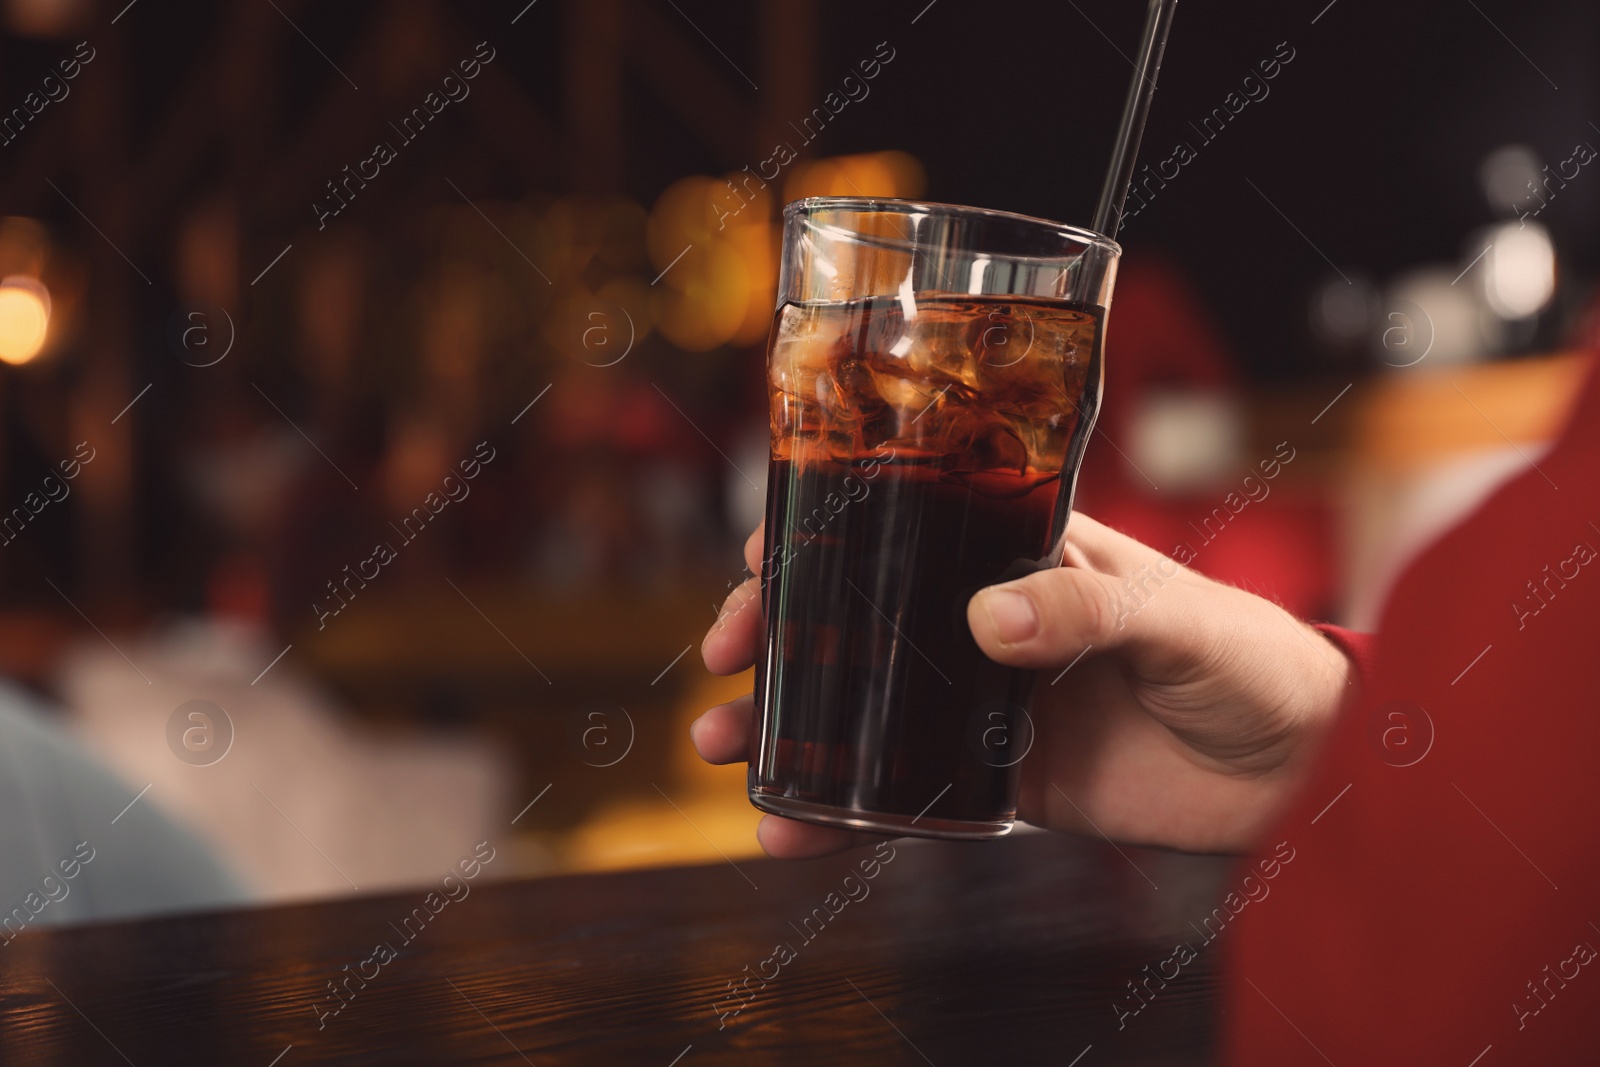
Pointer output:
x,y
1333,679
1359,650
1334,674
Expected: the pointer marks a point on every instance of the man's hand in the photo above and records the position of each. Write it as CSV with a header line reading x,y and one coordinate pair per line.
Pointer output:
x,y
1190,711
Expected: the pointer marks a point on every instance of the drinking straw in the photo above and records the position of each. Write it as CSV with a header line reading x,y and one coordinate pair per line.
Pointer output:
x,y
1108,214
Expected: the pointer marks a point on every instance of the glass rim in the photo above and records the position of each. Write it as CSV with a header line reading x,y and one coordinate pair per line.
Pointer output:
x,y
867,203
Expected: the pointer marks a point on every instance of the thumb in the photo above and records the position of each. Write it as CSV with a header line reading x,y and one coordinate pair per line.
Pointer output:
x,y
1049,618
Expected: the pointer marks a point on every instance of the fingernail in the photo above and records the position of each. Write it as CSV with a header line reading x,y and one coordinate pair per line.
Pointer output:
x,y
694,731
1011,614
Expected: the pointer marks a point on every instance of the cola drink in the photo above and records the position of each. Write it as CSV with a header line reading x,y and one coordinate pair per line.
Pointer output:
x,y
923,447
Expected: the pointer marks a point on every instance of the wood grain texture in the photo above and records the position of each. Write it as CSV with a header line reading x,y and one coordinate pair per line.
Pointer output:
x,y
996,953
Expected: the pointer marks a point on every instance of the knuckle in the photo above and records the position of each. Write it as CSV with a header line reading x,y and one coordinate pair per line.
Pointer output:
x,y
1098,605
1075,606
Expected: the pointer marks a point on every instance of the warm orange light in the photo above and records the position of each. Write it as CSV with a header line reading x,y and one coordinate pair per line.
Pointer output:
x,y
24,318
701,303
714,246
891,174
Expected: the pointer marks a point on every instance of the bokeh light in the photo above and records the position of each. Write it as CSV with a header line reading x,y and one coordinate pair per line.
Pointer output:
x,y
1520,274
24,318
715,243
890,174
700,237
1509,176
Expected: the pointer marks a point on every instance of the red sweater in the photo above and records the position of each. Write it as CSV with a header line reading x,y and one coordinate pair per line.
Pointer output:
x,y
1443,902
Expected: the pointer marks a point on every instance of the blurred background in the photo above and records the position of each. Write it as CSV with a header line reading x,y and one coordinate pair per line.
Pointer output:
x,y
382,391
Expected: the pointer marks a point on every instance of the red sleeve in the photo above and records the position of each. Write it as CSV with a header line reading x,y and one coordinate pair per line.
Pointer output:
x,y
1361,648
1432,891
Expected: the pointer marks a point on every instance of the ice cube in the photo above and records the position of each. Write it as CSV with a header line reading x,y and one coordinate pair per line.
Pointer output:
x,y
987,384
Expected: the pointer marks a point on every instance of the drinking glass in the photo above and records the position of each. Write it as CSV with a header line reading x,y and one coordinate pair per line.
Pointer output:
x,y
933,374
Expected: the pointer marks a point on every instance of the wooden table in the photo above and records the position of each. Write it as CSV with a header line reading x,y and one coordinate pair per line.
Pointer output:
x,y
1005,953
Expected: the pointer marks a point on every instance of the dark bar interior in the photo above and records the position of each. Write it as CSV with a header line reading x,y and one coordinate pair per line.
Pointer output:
x,y
384,412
